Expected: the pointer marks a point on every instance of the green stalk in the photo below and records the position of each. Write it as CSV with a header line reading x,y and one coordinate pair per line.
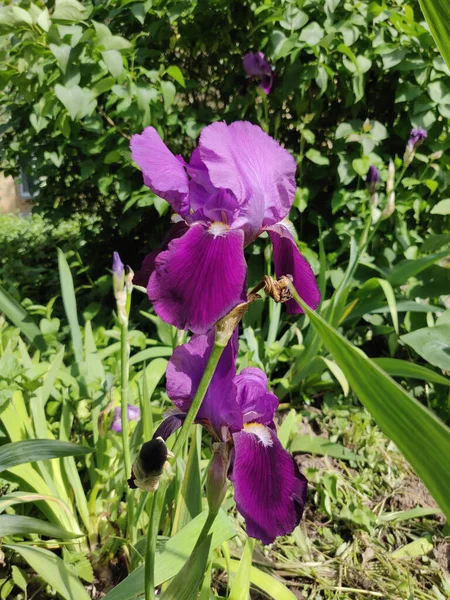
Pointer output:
x,y
124,372
158,500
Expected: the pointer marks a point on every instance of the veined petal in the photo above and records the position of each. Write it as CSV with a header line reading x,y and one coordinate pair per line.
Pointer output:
x,y
257,404
260,173
163,173
289,261
199,278
142,275
269,489
184,372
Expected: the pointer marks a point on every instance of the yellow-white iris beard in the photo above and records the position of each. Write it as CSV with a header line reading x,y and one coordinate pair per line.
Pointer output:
x,y
217,228
261,431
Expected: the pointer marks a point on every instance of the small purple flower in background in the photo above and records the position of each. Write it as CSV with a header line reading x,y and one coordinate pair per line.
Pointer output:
x,y
238,411
238,183
417,136
133,414
372,179
256,65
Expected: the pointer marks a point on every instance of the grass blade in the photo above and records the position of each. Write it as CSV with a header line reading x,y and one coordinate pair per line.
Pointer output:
x,y
402,368
18,453
52,570
70,305
21,319
240,590
21,525
418,433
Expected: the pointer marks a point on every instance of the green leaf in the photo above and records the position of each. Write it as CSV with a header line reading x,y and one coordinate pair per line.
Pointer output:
x,y
62,55
171,557
405,515
432,344
69,10
18,453
441,208
240,588
437,14
322,447
169,92
272,587
311,34
403,368
13,18
409,268
70,305
417,432
189,503
175,73
317,158
21,525
21,319
186,583
419,547
114,62
52,570
79,102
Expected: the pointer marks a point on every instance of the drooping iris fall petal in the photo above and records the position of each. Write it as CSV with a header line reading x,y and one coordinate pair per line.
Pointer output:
x,y
199,278
142,276
163,172
269,489
289,261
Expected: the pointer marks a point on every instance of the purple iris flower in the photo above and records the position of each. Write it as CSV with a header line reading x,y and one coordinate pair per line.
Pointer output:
x,y
417,136
238,183
372,179
133,414
256,65
269,490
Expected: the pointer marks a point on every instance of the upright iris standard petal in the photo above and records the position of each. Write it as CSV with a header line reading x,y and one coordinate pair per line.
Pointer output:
x,y
241,157
184,372
255,401
142,276
269,489
289,261
199,278
163,173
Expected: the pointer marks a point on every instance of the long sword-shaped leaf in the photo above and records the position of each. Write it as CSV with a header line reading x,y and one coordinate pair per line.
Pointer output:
x,y
437,14
417,432
52,570
70,305
22,525
21,319
18,453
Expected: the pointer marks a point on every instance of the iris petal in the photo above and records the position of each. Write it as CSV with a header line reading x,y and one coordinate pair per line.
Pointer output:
x,y
184,372
255,401
163,173
289,261
199,278
241,157
269,489
142,275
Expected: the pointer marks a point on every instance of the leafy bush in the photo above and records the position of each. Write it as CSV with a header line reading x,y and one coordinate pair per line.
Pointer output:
x,y
80,78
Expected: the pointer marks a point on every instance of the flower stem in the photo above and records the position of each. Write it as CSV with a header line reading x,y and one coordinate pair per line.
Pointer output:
x,y
158,501
124,370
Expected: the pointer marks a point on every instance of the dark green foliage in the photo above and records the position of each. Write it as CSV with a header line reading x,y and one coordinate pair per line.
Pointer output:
x,y
80,78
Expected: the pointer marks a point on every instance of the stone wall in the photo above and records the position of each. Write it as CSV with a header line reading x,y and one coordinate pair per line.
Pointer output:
x,y
11,198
